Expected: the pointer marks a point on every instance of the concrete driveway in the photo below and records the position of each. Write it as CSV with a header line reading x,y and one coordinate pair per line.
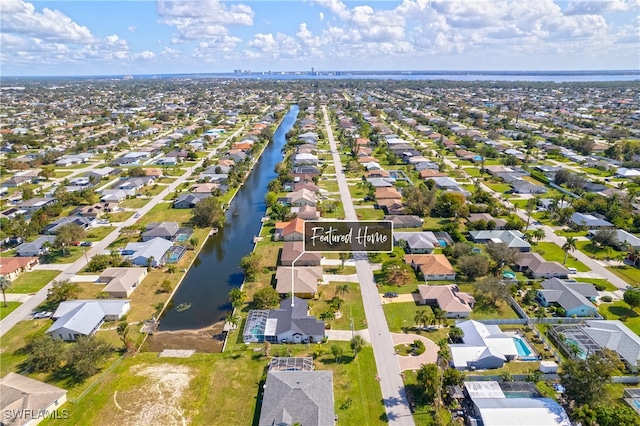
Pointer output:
x,y
430,355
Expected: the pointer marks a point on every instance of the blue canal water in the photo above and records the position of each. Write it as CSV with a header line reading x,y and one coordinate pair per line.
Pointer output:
x,y
216,270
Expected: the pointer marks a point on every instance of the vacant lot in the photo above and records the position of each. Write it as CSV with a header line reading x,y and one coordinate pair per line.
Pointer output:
x,y
553,252
628,273
31,282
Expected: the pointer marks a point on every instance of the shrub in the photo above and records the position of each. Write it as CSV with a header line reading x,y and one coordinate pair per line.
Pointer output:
x,y
418,346
600,287
606,299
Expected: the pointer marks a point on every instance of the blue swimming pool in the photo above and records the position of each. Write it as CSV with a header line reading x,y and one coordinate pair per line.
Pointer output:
x,y
523,349
442,243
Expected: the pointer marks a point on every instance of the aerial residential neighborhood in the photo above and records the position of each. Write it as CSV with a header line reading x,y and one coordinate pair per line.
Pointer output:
x,y
514,265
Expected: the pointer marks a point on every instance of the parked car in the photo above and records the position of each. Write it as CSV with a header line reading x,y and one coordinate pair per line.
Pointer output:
x,y
86,244
43,314
572,270
390,294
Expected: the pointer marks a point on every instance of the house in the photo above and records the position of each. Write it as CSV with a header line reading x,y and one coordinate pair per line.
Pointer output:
x,y
11,267
405,221
420,242
512,238
189,201
75,318
624,238
305,279
432,266
381,182
288,324
477,217
490,406
305,159
535,266
448,298
135,183
36,203
153,172
121,282
574,298
427,174
149,253
302,197
484,347
391,206
26,401
306,212
589,220
53,227
101,173
289,231
627,173
166,230
116,195
97,210
204,188
298,397
594,187
526,187
445,182
292,249
35,248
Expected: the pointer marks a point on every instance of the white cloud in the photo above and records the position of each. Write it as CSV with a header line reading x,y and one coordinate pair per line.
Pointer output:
x,y
132,29
321,16
20,17
202,20
591,7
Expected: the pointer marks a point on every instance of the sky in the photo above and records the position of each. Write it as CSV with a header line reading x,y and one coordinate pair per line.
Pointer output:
x,y
86,37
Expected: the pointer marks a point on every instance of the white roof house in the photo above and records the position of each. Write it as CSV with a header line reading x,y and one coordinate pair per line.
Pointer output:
x,y
75,318
140,253
485,346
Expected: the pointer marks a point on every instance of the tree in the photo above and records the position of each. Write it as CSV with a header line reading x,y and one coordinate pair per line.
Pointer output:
x,y
165,287
237,297
456,334
270,199
450,204
137,172
86,354
59,292
607,237
529,207
337,352
395,272
266,298
67,234
492,289
44,353
5,284
473,266
539,234
208,212
453,377
342,289
266,348
428,381
615,415
502,254
123,331
569,245
357,343
194,242
585,379
344,256
251,264
419,200
632,297
421,317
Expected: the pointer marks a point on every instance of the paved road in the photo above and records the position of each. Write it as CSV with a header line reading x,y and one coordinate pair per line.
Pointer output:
x,y
24,310
389,373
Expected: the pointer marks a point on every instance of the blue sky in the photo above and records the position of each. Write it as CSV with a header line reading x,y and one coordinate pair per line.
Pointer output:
x,y
198,36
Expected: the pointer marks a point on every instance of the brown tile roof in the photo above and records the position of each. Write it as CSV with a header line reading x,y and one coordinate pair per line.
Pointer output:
x,y
430,264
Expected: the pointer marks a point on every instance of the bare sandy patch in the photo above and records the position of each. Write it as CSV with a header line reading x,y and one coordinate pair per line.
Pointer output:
x,y
157,400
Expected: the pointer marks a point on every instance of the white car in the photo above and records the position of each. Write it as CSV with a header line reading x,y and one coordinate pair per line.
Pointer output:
x,y
43,314
572,270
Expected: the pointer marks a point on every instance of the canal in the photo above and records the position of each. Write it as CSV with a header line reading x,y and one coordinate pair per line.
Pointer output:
x,y
216,269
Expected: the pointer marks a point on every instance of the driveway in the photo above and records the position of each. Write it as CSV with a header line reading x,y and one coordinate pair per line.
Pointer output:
x,y
402,298
430,355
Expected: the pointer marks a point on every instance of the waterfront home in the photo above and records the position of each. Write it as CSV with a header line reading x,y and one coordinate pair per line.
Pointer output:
x,y
575,298
38,247
298,397
166,230
76,318
289,231
148,253
121,282
305,280
189,201
433,267
448,298
306,212
427,174
288,324
292,249
302,197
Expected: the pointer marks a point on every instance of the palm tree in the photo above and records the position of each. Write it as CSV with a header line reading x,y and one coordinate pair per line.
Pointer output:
x,y
531,204
421,318
342,289
539,234
356,344
569,245
5,283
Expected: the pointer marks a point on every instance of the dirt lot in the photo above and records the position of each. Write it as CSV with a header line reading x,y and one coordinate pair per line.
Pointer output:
x,y
204,340
157,401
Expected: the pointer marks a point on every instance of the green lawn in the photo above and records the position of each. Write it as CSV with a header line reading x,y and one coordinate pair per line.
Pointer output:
x,y
31,282
553,252
608,286
165,213
352,308
13,341
401,316
619,310
98,233
628,273
56,256
500,188
120,216
369,214
595,252
6,310
484,309
134,203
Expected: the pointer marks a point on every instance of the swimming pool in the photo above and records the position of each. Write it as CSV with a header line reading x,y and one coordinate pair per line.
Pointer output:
x,y
523,349
581,354
442,243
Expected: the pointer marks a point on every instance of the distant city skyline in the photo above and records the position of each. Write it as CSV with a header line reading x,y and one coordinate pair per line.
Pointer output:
x,y
67,38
